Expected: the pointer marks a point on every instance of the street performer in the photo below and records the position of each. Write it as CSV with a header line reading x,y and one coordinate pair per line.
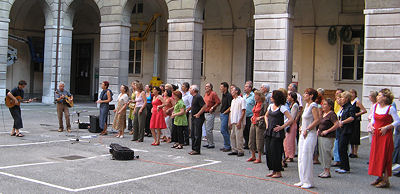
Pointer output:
x,y
62,96
15,111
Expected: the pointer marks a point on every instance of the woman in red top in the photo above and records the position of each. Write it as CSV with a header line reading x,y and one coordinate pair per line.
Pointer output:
x,y
385,119
157,121
257,128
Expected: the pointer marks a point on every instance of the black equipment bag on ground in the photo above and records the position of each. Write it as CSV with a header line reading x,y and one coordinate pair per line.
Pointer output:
x,y
84,125
94,124
119,152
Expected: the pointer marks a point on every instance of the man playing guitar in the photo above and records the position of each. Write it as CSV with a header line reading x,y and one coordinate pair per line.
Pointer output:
x,y
61,98
15,111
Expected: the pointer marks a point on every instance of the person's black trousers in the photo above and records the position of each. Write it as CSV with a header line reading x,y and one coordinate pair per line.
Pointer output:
x,y
274,150
179,133
197,124
344,140
246,132
16,115
174,134
148,117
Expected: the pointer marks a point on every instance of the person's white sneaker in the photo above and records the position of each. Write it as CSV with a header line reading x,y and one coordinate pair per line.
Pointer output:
x,y
306,186
299,184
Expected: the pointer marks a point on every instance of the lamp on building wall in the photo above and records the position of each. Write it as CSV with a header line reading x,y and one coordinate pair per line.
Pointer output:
x,y
346,33
332,35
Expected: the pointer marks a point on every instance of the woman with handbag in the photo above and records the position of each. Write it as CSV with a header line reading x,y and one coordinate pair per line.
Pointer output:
x,y
257,128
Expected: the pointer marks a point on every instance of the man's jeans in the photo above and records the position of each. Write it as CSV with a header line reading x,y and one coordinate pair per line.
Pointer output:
x,y
225,131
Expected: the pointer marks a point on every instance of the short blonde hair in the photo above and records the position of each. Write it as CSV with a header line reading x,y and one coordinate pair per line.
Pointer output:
x,y
388,94
346,95
260,94
169,87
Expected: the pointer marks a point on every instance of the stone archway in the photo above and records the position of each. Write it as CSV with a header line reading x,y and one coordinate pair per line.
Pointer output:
x,y
26,35
82,18
228,38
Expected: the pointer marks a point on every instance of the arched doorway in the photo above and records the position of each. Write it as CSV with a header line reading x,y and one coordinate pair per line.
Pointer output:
x,y
26,45
228,41
84,18
148,39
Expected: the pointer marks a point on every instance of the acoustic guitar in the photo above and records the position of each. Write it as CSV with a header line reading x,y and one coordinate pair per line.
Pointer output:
x,y
68,100
10,102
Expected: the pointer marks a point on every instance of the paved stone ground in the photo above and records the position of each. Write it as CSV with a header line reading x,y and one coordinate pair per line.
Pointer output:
x,y
34,164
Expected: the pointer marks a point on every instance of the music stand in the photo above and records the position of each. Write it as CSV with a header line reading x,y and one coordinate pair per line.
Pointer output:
x,y
78,113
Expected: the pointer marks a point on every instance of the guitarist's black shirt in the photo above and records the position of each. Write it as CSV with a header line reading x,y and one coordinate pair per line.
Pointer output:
x,y
17,92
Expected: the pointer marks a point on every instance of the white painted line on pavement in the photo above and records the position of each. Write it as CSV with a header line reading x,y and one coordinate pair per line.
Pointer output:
x,y
93,157
107,184
37,181
34,143
138,150
147,176
25,165
395,167
365,137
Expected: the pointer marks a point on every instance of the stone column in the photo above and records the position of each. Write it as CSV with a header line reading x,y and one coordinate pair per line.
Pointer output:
x,y
114,55
64,60
184,50
273,50
4,22
381,53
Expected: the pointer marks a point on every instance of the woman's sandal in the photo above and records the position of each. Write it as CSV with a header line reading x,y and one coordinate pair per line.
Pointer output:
x,y
19,135
179,147
276,176
270,174
175,145
257,161
13,134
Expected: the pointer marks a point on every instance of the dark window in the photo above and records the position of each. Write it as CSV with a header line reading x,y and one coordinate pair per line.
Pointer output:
x,y
135,57
352,65
137,8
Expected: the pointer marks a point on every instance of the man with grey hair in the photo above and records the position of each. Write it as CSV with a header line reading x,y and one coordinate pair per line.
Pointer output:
x,y
293,88
61,96
197,109
265,89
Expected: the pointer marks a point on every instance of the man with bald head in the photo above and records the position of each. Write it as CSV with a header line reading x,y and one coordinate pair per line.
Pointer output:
x,y
197,109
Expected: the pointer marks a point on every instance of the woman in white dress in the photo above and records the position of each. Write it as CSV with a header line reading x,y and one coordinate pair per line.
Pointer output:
x,y
307,139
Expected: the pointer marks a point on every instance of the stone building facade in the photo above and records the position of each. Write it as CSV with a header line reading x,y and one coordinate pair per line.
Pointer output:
x,y
199,41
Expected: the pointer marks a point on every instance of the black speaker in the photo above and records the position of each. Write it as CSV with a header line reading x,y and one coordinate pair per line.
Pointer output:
x,y
94,124
84,125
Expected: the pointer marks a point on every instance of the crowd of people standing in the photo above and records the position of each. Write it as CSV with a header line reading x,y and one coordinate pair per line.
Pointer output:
x,y
273,123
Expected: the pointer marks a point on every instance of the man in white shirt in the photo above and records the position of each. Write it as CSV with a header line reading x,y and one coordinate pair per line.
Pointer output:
x,y
187,100
237,122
